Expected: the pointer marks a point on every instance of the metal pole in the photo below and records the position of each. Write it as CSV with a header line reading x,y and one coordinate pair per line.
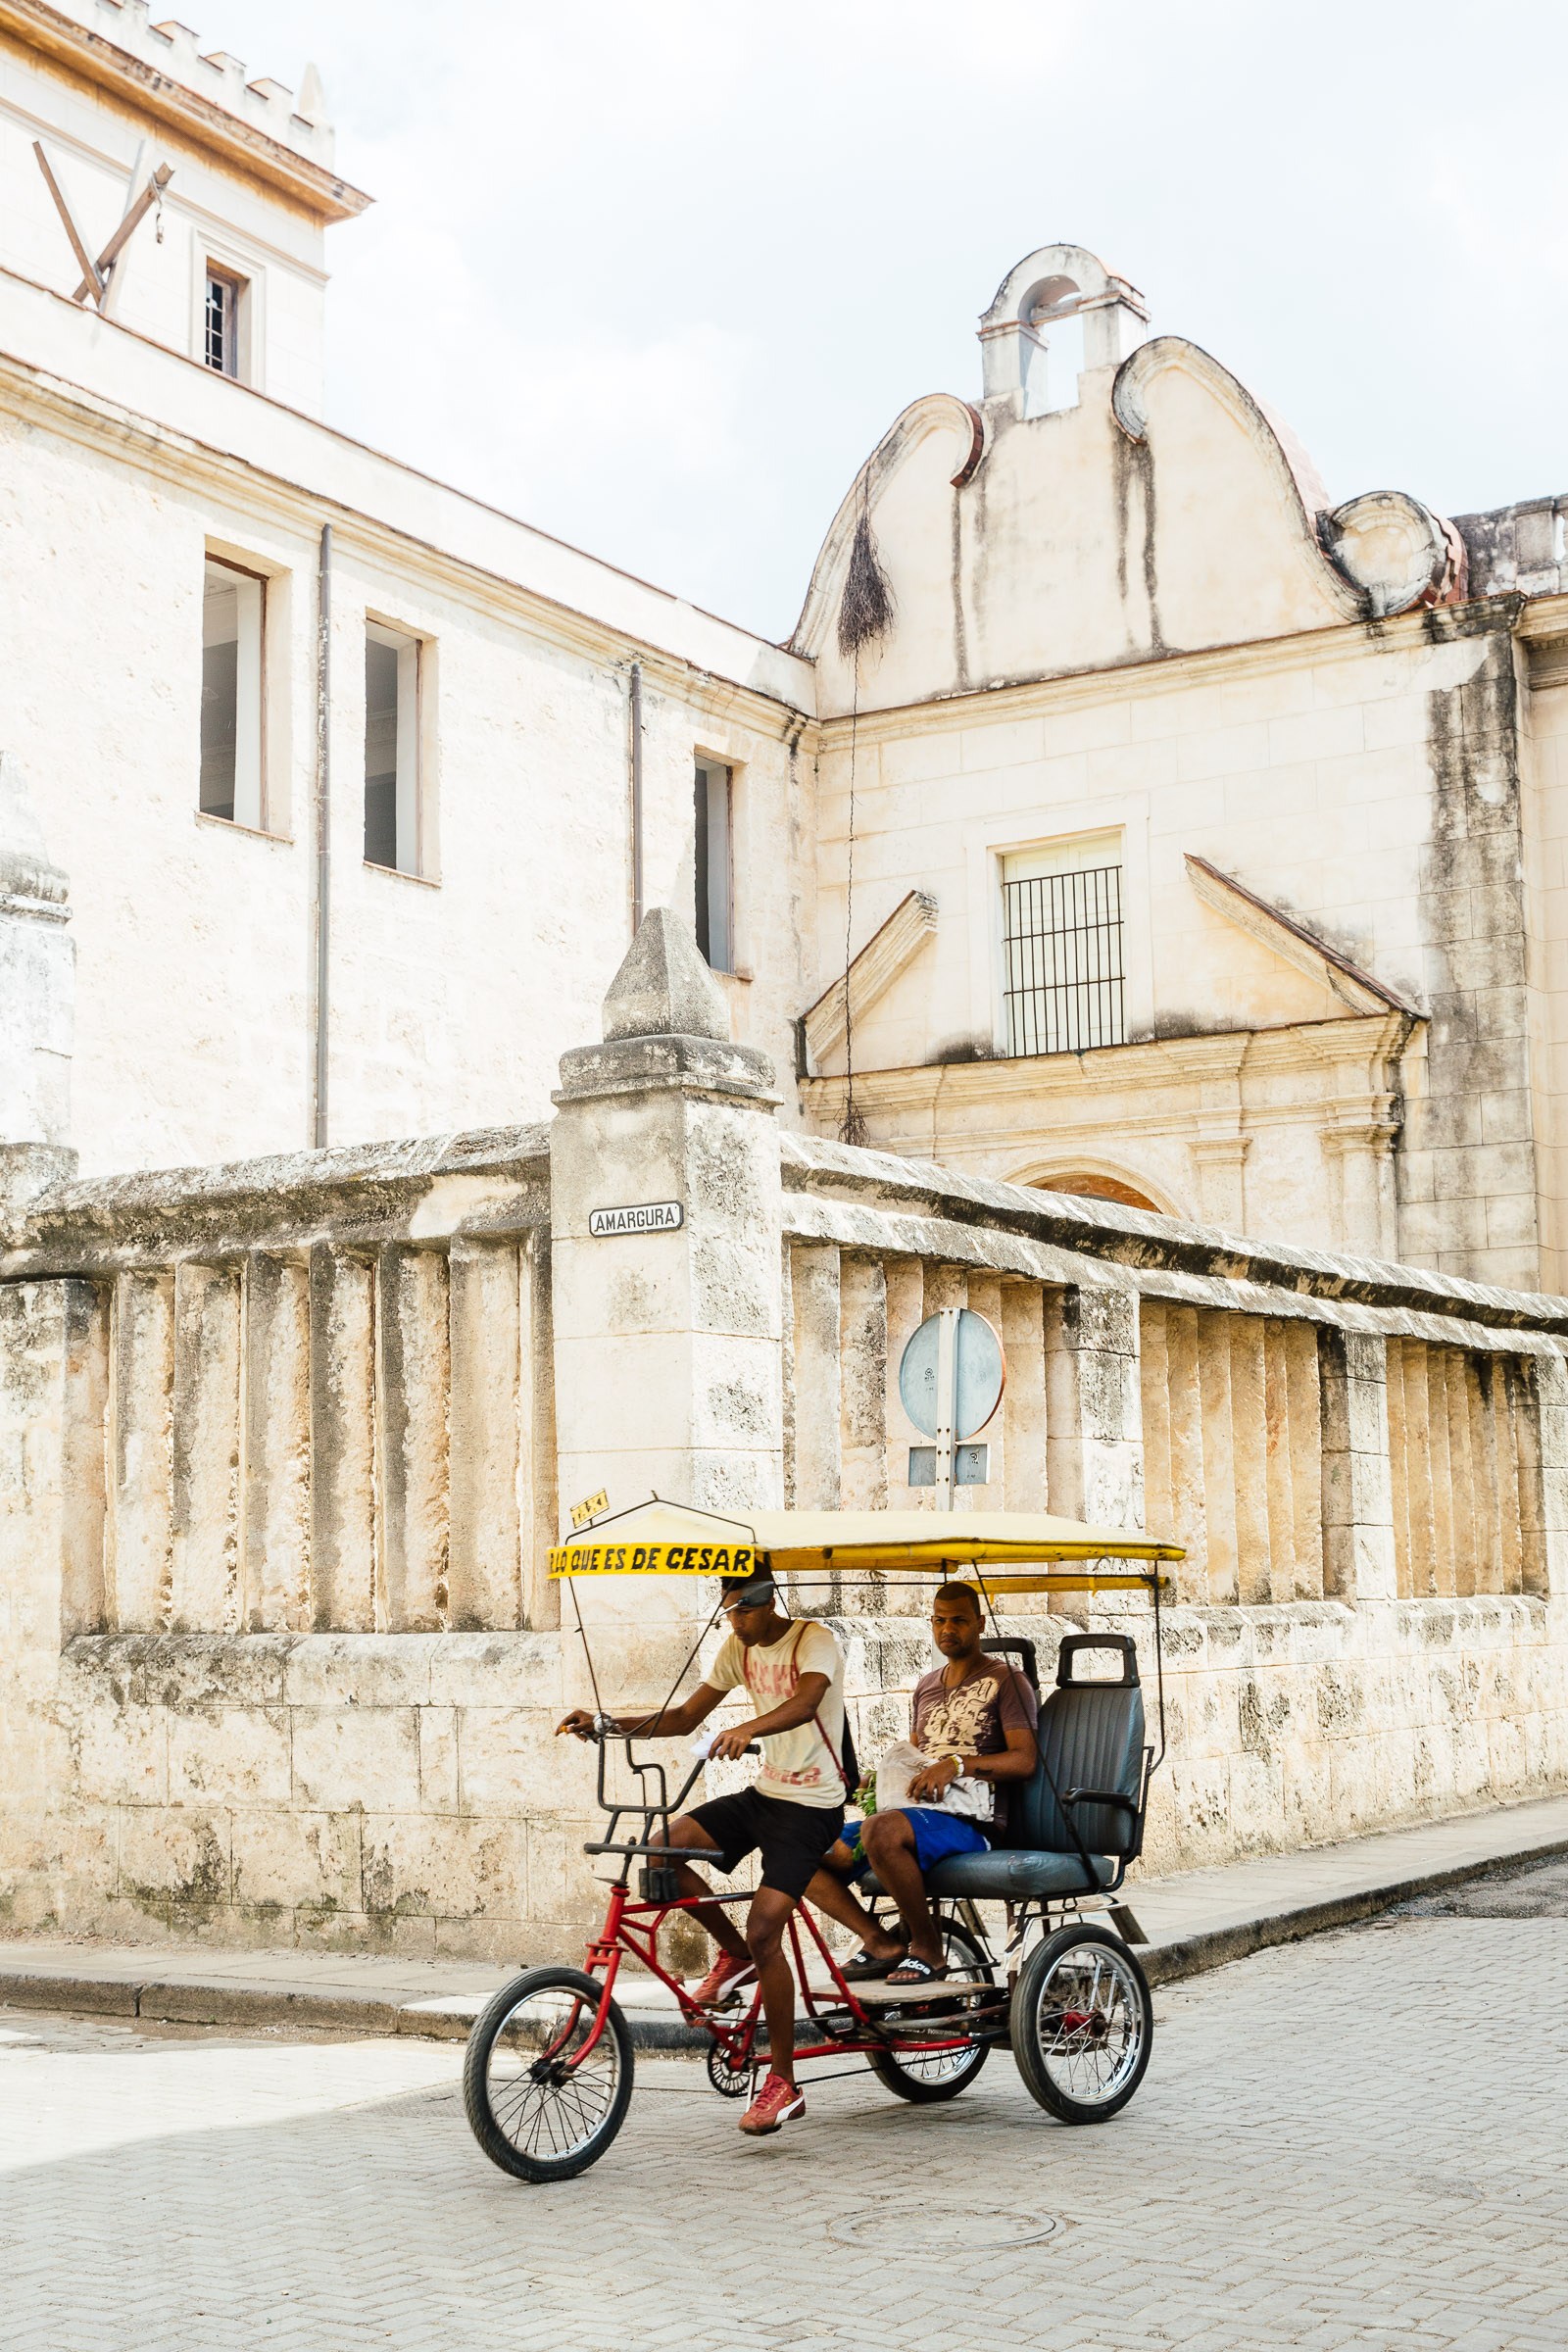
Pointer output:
x,y
636,798
323,823
946,1399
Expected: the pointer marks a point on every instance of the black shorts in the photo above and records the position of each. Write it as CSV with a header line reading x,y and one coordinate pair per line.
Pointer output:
x,y
792,1838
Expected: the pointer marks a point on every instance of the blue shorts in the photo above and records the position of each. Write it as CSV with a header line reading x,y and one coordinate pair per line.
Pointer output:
x,y
936,1834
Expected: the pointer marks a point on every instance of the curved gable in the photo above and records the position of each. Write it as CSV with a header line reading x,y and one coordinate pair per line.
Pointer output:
x,y
1164,511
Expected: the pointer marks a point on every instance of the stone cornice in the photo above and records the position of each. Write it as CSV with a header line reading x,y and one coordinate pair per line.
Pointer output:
x,y
1113,1069
83,55
492,1179
177,456
1146,1243
1174,672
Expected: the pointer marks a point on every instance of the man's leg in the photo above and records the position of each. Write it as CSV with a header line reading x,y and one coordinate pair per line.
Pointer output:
x,y
828,1892
683,1830
889,1842
764,1941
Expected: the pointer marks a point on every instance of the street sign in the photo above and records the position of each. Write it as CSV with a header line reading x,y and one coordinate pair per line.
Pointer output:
x,y
653,1216
951,1378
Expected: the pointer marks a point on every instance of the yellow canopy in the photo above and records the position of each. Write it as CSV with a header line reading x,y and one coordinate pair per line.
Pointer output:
x,y
666,1539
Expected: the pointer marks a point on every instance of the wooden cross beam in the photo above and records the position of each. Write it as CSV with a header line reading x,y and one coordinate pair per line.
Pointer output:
x,y
95,280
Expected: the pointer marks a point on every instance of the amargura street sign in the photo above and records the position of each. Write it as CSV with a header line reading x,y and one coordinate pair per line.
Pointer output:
x,y
653,1216
951,1378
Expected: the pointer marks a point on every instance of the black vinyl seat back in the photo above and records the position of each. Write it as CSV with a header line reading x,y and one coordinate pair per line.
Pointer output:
x,y
1090,1737
1020,1654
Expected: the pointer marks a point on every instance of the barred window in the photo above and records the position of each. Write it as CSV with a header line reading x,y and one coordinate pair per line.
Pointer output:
x,y
221,320
1064,983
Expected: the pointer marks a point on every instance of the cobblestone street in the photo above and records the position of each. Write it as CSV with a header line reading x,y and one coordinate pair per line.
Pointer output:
x,y
1353,2140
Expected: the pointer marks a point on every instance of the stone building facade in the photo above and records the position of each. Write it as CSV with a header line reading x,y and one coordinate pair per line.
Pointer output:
x,y
1208,882
1205,830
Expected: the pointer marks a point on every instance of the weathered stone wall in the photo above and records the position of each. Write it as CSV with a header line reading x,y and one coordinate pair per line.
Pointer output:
x,y
283,1446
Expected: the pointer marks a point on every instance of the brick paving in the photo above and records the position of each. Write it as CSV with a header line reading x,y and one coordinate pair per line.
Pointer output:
x,y
1352,2141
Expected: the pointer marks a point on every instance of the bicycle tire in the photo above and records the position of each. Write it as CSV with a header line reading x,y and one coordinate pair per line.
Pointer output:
x,y
577,2114
1082,2025
896,2071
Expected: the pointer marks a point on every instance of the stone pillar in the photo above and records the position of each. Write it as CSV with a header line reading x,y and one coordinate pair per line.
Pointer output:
x,y
1357,1492
667,1337
1094,1427
53,1385
37,977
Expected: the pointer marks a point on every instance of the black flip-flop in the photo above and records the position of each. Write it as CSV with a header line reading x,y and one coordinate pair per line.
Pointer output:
x,y
863,1965
913,1971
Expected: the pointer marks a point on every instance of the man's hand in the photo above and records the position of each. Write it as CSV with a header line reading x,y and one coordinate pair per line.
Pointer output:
x,y
579,1723
731,1743
929,1783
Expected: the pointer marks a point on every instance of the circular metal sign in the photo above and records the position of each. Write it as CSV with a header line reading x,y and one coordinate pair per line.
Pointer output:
x,y
978,1372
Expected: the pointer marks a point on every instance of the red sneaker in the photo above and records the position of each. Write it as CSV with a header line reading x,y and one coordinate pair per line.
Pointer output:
x,y
778,2103
721,1987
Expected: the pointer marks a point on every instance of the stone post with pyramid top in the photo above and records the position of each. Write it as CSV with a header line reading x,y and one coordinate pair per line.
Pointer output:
x,y
665,1237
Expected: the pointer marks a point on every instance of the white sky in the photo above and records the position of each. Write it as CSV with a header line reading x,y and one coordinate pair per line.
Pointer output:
x,y
657,274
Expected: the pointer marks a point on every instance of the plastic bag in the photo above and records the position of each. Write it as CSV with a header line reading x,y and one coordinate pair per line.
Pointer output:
x,y
896,1767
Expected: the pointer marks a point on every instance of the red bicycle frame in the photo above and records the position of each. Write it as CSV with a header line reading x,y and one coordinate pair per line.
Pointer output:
x,y
631,1930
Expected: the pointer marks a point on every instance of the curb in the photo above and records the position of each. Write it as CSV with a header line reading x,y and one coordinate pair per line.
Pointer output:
x,y
1194,1955
448,2018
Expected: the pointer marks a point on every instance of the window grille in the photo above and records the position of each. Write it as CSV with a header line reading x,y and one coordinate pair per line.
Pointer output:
x,y
1065,979
222,322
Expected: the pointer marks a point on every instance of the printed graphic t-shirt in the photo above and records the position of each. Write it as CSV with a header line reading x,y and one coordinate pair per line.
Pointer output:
x,y
974,1720
799,1765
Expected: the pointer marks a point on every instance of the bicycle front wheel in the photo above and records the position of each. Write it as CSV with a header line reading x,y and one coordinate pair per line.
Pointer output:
x,y
542,2104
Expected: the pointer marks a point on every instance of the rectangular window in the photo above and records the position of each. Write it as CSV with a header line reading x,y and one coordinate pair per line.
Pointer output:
x,y
1064,983
714,860
221,333
233,618
391,749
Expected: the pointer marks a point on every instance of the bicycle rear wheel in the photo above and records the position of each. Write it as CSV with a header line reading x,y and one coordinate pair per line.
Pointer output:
x,y
926,2076
1082,2024
540,2102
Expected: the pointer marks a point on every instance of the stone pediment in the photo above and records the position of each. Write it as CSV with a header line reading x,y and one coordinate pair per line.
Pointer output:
x,y
1337,985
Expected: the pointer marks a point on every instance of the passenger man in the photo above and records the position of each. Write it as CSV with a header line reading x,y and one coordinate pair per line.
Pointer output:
x,y
794,1673
974,1716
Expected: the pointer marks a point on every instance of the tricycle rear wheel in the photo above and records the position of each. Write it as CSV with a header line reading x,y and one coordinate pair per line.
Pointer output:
x,y
1082,2024
541,2104
925,2078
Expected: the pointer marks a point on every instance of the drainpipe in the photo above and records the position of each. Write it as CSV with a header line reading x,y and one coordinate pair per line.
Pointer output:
x,y
323,823
636,721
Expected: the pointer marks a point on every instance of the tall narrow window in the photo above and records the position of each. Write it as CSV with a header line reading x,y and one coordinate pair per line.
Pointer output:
x,y
233,614
225,294
1064,986
391,749
714,862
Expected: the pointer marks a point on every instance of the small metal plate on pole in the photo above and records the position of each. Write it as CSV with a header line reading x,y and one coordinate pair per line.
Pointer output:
x,y
951,1378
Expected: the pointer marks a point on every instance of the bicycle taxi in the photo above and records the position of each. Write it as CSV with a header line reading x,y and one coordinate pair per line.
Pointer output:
x,y
549,2069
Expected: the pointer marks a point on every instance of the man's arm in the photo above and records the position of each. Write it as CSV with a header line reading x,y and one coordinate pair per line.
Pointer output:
x,y
663,1723
1015,1762
802,1702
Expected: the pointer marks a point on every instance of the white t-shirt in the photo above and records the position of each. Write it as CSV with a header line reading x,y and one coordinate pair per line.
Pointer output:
x,y
799,1765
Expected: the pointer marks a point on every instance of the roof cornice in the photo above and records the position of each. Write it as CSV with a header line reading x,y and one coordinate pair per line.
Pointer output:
x,y
244,147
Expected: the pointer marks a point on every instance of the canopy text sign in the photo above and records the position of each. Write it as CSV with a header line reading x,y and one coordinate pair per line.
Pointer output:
x,y
652,1559
653,1216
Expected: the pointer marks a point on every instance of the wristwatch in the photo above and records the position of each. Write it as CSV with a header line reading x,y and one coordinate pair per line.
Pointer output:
x,y
955,1759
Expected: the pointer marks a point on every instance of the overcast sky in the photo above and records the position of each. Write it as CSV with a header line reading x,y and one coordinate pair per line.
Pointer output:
x,y
657,274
